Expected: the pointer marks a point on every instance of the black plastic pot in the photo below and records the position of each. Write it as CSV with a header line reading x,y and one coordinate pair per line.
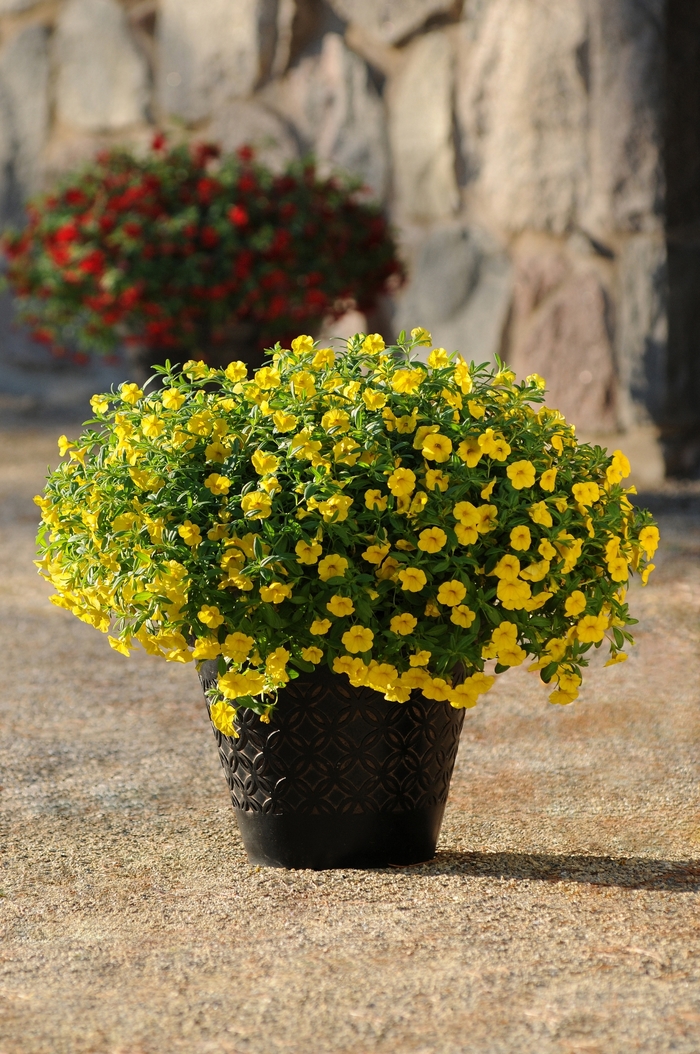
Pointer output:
x,y
340,777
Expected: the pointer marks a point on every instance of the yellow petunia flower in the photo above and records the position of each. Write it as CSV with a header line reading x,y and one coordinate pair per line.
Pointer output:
x,y
403,624
374,499
256,505
451,593
438,359
585,493
412,579
432,540
374,554
131,393
275,592
320,626
236,371
284,422
437,447
307,552
520,539
217,484
190,533
402,482
210,616
373,400
358,638
332,566
548,479
521,474
462,616
340,606
373,343
575,603
470,452
312,654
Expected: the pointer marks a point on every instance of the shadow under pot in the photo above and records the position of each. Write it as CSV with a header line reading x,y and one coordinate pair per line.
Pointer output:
x,y
339,777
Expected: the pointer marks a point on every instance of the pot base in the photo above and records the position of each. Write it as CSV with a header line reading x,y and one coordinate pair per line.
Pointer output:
x,y
375,839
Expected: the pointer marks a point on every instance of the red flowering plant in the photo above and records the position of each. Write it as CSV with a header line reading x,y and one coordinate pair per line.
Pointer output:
x,y
169,250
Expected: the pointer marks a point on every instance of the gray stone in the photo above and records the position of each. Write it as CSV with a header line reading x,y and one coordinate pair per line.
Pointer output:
x,y
390,20
245,121
561,330
421,131
210,52
626,82
523,114
331,102
460,289
24,74
642,329
102,78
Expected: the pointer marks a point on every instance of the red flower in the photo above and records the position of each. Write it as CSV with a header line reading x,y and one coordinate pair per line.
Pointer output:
x,y
209,237
206,189
158,142
238,215
93,263
66,234
246,152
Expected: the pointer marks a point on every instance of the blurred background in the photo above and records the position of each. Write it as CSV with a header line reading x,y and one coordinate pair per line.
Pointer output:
x,y
540,160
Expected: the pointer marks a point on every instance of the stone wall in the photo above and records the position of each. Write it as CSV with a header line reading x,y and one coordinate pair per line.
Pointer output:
x,y
515,143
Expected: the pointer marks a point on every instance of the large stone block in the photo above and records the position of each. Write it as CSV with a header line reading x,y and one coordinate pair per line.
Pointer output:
x,y
626,74
246,121
421,130
460,289
562,330
642,330
210,52
390,20
332,104
523,113
24,117
101,76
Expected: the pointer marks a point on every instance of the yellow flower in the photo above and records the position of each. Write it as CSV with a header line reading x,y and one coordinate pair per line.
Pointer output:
x,y
488,490
466,535
470,452
405,382
217,484
195,370
210,616
284,422
513,595
575,604
451,593
619,656
646,572
618,569
264,463
130,393
119,645
335,421
420,658
223,718
303,383
373,400
421,433
546,550
320,626
201,424
521,474
373,343
402,482
206,648
548,479
649,540
421,336
520,539
476,409
323,357
100,403
257,505
332,566
462,616
494,445
536,572
340,606
358,638
307,552
462,376
403,624
437,688
585,493
381,676
539,513
190,533
591,628
216,451
267,378
437,447
314,655
557,442
435,477
302,344
234,685
64,445
618,469
488,516
453,399
412,579
374,554
438,359
276,664
432,540
374,499
236,371
275,592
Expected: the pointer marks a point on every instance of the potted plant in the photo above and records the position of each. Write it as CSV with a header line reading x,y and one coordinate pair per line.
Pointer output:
x,y
181,252
351,547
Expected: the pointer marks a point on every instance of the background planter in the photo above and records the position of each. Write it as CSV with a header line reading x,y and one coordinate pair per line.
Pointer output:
x,y
340,777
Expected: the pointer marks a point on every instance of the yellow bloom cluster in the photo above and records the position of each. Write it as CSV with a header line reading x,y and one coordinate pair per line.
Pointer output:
x,y
397,514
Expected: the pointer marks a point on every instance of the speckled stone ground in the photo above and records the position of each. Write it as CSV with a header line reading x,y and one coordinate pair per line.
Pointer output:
x,y
559,917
